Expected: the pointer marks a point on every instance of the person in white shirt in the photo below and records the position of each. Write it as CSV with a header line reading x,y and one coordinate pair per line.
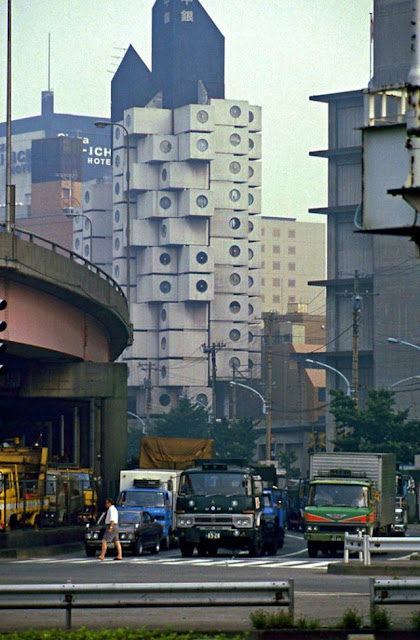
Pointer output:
x,y
111,530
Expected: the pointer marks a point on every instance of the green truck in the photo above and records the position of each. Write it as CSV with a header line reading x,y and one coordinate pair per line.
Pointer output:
x,y
220,505
353,492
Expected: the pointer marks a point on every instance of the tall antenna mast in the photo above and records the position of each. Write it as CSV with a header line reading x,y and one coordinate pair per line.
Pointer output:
x,y
49,62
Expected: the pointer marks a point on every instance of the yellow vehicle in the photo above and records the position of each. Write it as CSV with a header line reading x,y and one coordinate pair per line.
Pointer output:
x,y
80,481
22,477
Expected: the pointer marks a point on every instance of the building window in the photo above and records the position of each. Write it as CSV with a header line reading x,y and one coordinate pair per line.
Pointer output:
x,y
321,394
262,281
276,299
276,233
276,282
291,266
291,251
291,283
234,251
291,299
263,232
276,248
291,233
276,266
263,248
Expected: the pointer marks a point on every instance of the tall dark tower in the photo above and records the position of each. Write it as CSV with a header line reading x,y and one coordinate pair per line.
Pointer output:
x,y
131,86
187,53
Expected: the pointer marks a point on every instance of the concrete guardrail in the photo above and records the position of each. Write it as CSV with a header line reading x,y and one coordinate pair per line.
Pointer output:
x,y
137,595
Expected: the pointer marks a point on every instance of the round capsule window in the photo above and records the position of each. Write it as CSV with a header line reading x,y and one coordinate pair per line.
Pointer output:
x,y
234,251
251,116
250,199
117,215
117,160
202,144
117,244
202,257
163,315
117,133
234,223
250,254
250,143
234,195
202,116
117,188
77,244
234,363
234,335
164,400
202,201
86,251
163,343
250,336
201,286
87,196
250,281
234,307
202,398
165,146
165,286
164,174
128,120
165,202
250,309
234,167
163,371
87,224
235,139
250,172
235,279
163,231
235,111
250,226
117,272
164,258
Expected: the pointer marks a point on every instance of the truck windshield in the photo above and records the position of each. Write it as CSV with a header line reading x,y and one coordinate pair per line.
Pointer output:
x,y
338,495
221,483
141,498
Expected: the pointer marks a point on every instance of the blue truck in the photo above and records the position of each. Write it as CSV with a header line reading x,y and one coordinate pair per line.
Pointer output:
x,y
151,490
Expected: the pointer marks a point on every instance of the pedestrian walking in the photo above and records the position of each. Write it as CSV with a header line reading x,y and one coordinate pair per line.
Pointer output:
x,y
111,530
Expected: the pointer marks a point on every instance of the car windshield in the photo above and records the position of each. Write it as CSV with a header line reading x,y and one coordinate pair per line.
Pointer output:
x,y
338,495
205,483
146,498
128,517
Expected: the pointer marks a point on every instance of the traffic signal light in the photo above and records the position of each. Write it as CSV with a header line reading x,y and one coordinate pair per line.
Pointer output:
x,y
3,327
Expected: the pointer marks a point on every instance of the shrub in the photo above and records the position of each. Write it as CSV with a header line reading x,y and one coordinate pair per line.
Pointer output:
x,y
263,620
351,620
379,619
415,621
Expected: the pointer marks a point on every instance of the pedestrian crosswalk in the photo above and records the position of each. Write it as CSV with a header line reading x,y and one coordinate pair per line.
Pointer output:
x,y
235,563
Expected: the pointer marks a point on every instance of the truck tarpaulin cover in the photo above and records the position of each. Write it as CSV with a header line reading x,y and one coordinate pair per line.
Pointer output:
x,y
173,453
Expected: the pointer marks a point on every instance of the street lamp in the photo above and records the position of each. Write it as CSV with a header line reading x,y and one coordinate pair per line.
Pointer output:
x,y
266,409
74,216
394,384
102,125
407,344
245,386
327,366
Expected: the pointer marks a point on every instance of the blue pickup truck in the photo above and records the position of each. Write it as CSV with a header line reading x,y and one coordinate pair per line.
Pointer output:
x,y
153,491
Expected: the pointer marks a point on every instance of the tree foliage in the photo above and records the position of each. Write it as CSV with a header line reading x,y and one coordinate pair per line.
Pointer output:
x,y
232,438
378,427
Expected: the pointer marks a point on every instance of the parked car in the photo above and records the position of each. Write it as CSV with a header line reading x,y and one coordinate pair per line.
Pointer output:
x,y
138,532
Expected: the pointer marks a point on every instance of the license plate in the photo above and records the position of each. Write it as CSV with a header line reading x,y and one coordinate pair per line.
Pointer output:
x,y
336,538
213,535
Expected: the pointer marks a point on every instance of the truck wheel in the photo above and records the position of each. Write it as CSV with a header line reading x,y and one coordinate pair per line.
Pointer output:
x,y
202,550
90,552
312,550
187,549
256,548
271,548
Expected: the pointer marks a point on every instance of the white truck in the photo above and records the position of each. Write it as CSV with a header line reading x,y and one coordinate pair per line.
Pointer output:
x,y
152,490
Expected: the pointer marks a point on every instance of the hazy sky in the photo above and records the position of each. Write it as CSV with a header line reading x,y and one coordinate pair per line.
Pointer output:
x,y
278,53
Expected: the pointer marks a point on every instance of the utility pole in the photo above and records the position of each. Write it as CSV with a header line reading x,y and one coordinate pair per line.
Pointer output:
x,y
269,331
356,323
234,395
211,353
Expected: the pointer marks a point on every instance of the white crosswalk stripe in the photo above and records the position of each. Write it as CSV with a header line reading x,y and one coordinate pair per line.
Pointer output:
x,y
235,563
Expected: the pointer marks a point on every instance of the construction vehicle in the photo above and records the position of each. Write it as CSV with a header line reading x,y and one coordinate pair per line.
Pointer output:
x,y
22,478
65,497
81,493
353,492
220,505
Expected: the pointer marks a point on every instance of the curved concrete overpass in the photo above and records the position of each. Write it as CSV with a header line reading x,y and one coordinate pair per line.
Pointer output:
x,y
67,321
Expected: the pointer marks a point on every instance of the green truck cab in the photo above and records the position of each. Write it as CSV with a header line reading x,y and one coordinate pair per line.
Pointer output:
x,y
219,505
353,492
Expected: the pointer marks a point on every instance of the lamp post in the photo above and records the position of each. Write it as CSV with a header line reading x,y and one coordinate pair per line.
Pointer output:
x,y
327,366
73,216
102,125
407,344
266,409
394,384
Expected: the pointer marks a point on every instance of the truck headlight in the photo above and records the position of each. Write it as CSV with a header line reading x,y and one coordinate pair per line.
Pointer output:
x,y
242,522
185,521
361,530
312,527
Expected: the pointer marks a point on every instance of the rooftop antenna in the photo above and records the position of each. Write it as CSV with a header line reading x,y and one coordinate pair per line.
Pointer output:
x,y
49,62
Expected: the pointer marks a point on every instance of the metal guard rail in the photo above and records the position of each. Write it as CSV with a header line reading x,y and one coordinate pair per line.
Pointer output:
x,y
140,595
76,257
365,545
393,592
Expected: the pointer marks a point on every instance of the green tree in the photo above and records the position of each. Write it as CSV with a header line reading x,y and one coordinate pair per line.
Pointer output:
x,y
187,420
378,427
235,438
287,460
